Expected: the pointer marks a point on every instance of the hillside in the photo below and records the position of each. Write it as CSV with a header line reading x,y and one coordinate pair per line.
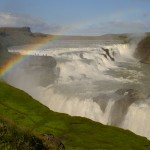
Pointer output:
x,y
29,116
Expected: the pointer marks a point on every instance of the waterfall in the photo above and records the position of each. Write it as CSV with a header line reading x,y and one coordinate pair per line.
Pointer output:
x,y
97,81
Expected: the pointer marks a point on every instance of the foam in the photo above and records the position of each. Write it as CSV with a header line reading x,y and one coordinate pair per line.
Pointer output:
x,y
85,72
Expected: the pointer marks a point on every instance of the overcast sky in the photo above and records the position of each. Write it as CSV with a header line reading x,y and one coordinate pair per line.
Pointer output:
x,y
80,17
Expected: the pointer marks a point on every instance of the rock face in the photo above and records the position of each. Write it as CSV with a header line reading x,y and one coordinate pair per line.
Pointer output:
x,y
10,36
50,138
132,94
9,30
143,50
116,105
40,68
120,107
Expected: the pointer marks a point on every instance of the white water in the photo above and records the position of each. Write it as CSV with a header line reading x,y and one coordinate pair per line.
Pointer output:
x,y
87,77
137,119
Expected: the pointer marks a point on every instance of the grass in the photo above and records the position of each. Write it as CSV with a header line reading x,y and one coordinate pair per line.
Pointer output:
x,y
76,133
13,138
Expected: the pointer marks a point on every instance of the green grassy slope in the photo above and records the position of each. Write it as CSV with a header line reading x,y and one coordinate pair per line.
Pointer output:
x,y
75,133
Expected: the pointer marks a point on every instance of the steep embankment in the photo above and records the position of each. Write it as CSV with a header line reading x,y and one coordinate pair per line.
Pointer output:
x,y
18,36
19,109
143,50
10,36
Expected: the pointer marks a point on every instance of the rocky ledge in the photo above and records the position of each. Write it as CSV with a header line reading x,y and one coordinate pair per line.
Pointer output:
x,y
143,50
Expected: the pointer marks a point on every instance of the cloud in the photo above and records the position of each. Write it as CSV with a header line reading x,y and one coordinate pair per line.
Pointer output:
x,y
117,26
103,27
143,0
36,24
131,25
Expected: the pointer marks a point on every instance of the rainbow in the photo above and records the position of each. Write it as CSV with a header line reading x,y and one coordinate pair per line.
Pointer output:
x,y
10,63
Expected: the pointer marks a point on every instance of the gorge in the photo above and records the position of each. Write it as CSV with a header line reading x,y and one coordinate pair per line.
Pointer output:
x,y
100,79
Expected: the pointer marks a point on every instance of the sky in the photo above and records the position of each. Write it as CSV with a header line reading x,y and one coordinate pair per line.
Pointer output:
x,y
77,17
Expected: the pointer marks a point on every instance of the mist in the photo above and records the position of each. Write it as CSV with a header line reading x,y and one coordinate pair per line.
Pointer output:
x,y
98,80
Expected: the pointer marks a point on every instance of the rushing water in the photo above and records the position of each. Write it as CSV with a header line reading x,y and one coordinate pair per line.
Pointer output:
x,y
98,80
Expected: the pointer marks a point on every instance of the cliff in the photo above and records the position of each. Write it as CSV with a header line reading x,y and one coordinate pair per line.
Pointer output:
x,y
11,36
143,50
10,30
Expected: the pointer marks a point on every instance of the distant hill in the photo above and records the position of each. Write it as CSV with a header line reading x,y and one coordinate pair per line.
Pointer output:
x,y
107,37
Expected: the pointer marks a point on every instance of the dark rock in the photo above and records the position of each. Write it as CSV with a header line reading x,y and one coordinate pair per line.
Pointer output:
x,y
56,141
102,100
8,30
123,91
132,93
143,50
36,143
39,69
120,107
48,137
108,54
